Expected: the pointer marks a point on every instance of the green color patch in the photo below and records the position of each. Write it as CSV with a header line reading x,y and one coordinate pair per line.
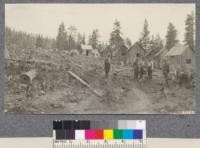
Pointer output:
x,y
118,134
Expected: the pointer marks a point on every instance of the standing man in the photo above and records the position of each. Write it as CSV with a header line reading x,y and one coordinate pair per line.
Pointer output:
x,y
166,71
136,67
141,69
107,67
149,69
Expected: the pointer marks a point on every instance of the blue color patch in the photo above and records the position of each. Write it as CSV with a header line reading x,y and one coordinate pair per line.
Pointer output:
x,y
128,134
138,134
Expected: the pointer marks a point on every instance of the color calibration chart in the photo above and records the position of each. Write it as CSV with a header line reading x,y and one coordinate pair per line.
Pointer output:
x,y
99,134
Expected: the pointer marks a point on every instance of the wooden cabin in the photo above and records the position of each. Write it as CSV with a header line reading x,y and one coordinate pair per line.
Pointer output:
x,y
133,51
181,57
159,58
119,54
86,49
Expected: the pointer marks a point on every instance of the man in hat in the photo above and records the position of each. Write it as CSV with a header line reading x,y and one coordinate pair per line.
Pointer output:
x,y
107,67
166,71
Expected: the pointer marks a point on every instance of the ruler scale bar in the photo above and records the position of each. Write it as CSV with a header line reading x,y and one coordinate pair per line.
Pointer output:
x,y
93,145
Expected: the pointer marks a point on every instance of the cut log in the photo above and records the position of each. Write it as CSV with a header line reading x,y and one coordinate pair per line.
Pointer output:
x,y
121,69
28,76
85,83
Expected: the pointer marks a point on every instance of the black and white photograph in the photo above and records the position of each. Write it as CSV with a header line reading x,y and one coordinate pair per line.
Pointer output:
x,y
100,58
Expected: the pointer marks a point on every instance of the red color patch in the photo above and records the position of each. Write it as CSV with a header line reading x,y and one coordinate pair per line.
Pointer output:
x,y
99,134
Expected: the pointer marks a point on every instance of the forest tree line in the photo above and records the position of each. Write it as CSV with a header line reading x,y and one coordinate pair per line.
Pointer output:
x,y
69,38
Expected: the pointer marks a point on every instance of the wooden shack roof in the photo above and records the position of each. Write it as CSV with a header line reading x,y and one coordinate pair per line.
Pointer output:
x,y
160,52
136,46
115,50
177,50
86,47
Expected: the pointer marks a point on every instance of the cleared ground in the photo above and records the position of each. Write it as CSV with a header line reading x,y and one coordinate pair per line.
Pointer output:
x,y
119,94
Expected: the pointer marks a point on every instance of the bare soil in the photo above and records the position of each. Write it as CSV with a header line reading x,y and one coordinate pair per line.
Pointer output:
x,y
121,94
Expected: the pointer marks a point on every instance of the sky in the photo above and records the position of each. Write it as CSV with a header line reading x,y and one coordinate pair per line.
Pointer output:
x,y
44,19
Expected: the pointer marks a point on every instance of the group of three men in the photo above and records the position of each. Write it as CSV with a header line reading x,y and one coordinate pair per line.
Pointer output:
x,y
140,67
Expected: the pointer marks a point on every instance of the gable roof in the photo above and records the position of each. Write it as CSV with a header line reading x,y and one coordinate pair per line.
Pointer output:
x,y
86,47
177,50
135,46
74,51
150,52
117,49
159,52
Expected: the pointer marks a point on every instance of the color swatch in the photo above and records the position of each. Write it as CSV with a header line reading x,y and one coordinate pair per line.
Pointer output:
x,y
104,134
80,134
108,134
81,130
99,134
89,134
118,134
128,134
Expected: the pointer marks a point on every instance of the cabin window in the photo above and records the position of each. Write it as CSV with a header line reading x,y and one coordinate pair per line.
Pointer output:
x,y
188,61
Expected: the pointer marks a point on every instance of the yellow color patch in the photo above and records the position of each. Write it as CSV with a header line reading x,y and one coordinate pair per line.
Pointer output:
x,y
108,134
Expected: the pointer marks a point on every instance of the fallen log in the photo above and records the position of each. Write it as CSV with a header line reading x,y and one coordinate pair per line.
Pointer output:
x,y
121,69
86,84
